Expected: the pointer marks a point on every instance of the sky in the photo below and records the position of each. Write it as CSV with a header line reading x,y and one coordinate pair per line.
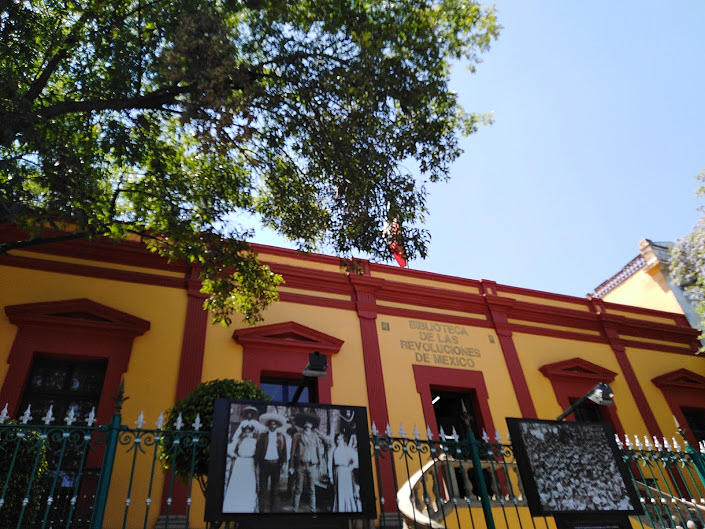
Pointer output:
x,y
598,134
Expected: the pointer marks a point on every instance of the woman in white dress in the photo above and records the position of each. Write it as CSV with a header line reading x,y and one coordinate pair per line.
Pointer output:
x,y
241,491
344,461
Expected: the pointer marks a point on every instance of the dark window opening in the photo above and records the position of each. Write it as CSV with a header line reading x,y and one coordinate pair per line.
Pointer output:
x,y
588,411
695,417
64,384
283,389
456,410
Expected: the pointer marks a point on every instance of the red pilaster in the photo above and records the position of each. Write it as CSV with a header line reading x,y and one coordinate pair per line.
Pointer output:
x,y
190,371
609,329
194,339
364,288
499,308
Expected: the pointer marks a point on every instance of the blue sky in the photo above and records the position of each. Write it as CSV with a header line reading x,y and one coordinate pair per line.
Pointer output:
x,y
599,131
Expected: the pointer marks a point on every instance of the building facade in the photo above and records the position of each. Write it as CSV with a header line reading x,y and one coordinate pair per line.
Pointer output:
x,y
415,348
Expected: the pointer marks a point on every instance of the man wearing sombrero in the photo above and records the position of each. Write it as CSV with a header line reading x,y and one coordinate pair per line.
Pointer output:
x,y
307,453
270,456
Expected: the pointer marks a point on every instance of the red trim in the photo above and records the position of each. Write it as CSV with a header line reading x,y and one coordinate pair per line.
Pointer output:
x,y
282,349
571,379
365,289
440,378
682,389
92,271
609,330
78,328
498,308
131,252
127,252
194,339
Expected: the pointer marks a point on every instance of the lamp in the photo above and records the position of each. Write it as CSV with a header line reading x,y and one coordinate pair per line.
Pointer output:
x,y
316,367
601,394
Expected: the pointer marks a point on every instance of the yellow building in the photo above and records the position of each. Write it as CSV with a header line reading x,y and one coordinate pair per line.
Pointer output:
x,y
415,348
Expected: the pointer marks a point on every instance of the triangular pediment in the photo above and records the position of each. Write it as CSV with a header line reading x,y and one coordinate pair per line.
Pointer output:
x,y
578,368
75,313
287,336
681,378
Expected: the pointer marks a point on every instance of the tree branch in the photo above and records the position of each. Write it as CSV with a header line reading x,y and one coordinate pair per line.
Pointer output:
x,y
40,82
152,100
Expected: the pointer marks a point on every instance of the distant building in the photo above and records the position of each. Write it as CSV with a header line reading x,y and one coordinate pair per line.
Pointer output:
x,y
645,282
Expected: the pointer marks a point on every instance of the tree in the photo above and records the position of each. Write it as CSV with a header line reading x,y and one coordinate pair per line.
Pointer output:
x,y
200,402
688,259
169,120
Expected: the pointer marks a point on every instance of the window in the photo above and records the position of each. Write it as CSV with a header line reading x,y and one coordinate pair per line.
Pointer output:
x,y
456,410
684,392
571,379
277,354
588,411
65,385
695,418
283,389
69,353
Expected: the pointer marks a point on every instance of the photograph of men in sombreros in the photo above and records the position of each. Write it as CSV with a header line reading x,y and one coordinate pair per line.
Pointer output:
x,y
284,459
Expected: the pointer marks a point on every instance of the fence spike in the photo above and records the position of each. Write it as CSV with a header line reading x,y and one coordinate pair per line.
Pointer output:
x,y
676,446
702,447
140,420
417,434
27,416
197,422
160,421
666,444
388,431
497,437
374,429
49,417
179,422
657,445
90,419
70,416
637,442
402,432
4,415
429,433
619,441
647,442
455,435
485,437
443,434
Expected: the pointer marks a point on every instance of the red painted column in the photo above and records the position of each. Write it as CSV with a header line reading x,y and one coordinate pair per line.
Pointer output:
x,y
609,325
499,308
190,371
194,340
364,288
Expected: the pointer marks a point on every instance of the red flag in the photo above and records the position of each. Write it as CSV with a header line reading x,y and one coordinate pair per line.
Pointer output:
x,y
390,232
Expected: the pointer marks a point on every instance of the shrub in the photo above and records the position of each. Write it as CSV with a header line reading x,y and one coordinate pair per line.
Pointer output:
x,y
28,444
200,402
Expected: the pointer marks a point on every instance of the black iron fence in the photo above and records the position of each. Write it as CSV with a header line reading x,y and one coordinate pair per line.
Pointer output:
x,y
81,475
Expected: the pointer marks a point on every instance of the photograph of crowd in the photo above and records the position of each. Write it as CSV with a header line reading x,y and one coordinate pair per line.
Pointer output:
x,y
294,459
572,467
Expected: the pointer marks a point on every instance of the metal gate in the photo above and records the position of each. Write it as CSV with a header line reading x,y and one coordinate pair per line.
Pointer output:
x,y
73,474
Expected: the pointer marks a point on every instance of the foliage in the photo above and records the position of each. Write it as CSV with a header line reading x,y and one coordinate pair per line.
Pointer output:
x,y
201,402
27,451
688,259
173,120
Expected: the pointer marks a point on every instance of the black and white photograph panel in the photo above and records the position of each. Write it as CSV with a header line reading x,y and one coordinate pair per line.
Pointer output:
x,y
284,459
574,467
